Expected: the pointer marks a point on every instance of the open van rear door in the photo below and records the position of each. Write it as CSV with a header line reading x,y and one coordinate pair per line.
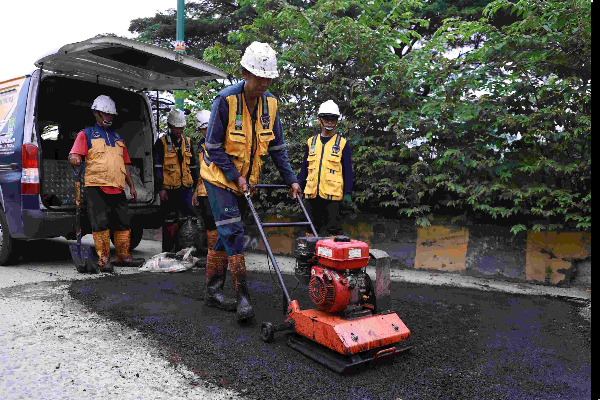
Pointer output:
x,y
129,64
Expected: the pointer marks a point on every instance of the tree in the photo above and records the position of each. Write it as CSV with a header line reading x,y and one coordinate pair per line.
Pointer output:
x,y
207,22
508,124
503,130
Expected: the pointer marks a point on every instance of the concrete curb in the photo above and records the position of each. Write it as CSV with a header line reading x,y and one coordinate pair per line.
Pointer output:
x,y
259,261
561,259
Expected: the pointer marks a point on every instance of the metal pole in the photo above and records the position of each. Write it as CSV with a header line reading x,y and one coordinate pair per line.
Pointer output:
x,y
180,38
268,247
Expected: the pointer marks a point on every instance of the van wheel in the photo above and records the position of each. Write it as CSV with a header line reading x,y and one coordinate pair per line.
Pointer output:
x,y
136,238
7,244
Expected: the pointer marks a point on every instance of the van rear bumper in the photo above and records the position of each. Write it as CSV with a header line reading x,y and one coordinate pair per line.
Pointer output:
x,y
39,224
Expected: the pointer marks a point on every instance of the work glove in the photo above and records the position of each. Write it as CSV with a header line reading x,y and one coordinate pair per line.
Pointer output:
x,y
347,199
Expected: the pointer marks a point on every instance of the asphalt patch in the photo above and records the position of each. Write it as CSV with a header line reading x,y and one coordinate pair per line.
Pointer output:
x,y
468,344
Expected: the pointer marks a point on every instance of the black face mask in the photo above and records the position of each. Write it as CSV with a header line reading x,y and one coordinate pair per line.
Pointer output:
x,y
330,119
107,124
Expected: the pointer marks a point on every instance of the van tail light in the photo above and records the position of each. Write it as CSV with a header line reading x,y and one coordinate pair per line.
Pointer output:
x,y
30,177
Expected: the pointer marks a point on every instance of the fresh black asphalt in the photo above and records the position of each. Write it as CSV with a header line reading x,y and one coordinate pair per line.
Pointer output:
x,y
468,344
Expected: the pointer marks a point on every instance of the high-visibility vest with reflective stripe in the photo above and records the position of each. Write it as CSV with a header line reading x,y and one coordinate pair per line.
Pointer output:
x,y
175,174
104,161
325,169
239,138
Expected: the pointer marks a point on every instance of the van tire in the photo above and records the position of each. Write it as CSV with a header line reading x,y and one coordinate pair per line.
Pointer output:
x,y
136,238
7,244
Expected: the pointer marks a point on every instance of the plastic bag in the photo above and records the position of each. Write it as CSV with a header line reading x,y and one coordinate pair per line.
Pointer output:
x,y
188,234
171,262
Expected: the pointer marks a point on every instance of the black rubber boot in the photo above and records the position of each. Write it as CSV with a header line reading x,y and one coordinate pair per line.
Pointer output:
x,y
170,238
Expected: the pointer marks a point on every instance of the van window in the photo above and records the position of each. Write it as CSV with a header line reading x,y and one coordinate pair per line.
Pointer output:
x,y
8,99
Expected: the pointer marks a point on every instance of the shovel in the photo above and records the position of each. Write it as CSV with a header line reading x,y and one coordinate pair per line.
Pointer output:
x,y
83,256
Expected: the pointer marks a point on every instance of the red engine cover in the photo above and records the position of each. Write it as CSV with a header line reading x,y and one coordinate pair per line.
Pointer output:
x,y
342,255
328,289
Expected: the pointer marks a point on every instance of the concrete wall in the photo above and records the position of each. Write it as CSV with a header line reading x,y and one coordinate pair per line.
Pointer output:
x,y
555,258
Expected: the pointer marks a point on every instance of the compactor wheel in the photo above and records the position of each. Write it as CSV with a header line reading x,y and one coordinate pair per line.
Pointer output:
x,y
267,332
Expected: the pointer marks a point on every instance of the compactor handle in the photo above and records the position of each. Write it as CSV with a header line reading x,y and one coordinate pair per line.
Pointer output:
x,y
270,186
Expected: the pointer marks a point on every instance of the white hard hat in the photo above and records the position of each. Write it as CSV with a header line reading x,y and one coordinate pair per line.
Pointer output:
x,y
329,108
260,60
202,119
105,104
176,118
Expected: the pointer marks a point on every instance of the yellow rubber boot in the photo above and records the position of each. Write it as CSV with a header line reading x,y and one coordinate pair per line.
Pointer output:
x,y
102,242
216,270
237,266
122,241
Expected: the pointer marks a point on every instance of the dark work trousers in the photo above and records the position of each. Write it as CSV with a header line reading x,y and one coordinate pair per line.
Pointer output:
x,y
228,210
324,214
178,201
107,211
205,213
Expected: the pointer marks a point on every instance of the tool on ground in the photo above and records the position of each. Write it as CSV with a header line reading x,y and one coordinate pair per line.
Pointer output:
x,y
353,324
84,256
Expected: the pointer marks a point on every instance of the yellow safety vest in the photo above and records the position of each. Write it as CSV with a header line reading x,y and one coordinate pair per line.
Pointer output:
x,y
325,169
238,141
104,164
172,170
200,189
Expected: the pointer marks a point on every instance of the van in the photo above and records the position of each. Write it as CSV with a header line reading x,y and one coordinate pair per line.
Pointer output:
x,y
49,107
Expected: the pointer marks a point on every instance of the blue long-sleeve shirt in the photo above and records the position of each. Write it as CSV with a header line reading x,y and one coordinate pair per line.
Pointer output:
x,y
217,129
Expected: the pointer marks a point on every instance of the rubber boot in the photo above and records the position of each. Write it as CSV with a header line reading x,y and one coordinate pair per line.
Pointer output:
x,y
237,266
216,270
169,233
102,242
122,242
211,241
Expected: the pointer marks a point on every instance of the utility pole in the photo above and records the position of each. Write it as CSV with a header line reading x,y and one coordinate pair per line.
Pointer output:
x,y
180,44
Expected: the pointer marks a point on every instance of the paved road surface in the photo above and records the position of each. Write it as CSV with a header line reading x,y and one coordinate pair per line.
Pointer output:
x,y
150,336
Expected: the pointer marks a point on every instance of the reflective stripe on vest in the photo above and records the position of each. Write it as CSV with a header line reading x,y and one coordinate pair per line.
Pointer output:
x,y
174,173
104,161
325,168
245,142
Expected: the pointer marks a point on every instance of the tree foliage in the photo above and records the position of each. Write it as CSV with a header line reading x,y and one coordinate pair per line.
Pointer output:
x,y
476,109
508,125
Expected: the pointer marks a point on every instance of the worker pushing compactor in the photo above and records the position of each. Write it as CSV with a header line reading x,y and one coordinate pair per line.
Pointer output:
x,y
244,126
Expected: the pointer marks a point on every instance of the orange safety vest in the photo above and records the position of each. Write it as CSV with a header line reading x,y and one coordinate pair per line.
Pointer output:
x,y
238,141
325,168
104,162
175,174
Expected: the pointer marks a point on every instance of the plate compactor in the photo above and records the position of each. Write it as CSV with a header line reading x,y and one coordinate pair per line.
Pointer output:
x,y
353,323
